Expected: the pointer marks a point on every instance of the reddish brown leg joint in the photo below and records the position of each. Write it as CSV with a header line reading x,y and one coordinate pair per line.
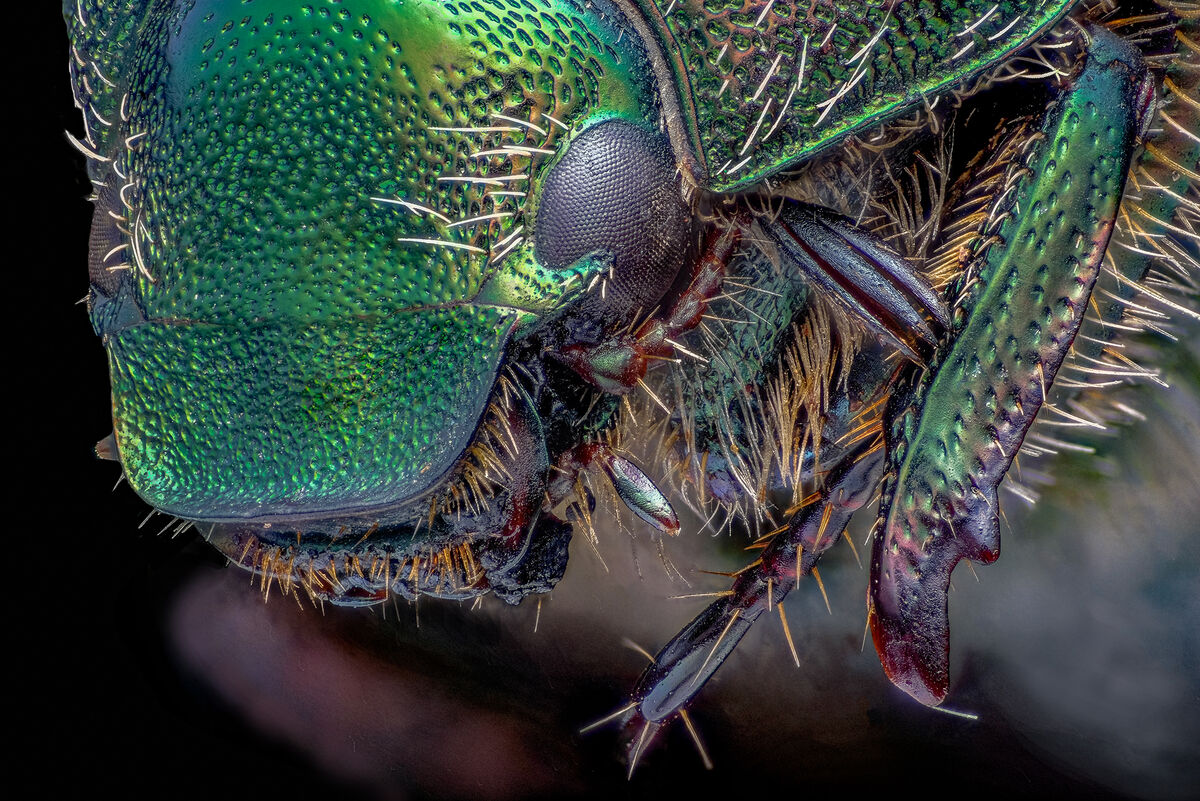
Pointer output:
x,y
619,364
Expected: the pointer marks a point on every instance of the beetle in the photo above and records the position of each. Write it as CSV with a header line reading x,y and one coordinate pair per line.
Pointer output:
x,y
279,237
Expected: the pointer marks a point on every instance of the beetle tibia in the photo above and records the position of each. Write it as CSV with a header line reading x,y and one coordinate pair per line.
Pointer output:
x,y
1021,302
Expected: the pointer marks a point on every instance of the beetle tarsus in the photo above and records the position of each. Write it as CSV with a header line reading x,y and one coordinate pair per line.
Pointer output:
x,y
684,665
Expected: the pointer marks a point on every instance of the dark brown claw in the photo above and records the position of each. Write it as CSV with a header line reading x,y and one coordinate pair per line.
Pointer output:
x,y
907,603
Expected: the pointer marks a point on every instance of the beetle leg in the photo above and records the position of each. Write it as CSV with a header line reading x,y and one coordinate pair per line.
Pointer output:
x,y
849,264
1025,293
619,364
633,487
683,666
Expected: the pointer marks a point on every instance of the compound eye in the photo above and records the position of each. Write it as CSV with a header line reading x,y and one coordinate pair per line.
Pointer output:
x,y
616,191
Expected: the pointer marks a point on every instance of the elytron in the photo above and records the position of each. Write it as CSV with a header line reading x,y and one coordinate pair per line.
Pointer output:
x,y
395,294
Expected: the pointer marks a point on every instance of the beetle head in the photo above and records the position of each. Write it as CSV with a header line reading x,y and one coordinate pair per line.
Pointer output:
x,y
615,193
318,227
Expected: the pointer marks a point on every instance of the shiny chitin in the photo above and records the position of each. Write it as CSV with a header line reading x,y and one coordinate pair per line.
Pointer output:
x,y
388,290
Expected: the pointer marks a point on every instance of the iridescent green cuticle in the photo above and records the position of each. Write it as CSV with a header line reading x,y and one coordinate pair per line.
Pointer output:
x,y
1021,300
863,62
288,173
1024,301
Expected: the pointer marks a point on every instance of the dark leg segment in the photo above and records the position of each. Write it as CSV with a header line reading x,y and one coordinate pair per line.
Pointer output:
x,y
681,668
852,266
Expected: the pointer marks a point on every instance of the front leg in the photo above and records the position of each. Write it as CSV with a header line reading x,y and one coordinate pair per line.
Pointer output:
x,y
1021,301
855,269
685,664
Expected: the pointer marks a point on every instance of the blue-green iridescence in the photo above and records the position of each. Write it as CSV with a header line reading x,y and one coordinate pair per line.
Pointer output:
x,y
768,83
1023,297
312,241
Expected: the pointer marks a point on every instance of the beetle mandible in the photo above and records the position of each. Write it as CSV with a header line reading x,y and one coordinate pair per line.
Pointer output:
x,y
377,282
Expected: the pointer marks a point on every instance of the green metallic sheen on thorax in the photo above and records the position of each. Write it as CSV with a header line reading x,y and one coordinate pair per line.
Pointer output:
x,y
316,212
771,82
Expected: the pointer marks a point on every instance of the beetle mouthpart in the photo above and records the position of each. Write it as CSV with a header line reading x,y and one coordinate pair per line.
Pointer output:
x,y
635,489
615,366
106,449
639,493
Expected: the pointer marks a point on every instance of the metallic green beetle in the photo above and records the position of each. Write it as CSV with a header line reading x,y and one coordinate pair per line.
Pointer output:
x,y
374,277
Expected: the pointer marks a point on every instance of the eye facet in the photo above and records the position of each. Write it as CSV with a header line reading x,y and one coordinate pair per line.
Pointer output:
x,y
616,192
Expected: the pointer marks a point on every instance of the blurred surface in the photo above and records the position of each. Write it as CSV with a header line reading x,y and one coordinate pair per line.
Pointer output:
x,y
146,667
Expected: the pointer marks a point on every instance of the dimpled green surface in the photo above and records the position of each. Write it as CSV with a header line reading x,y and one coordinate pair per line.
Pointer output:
x,y
201,406
300,352
271,124
1013,329
756,111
